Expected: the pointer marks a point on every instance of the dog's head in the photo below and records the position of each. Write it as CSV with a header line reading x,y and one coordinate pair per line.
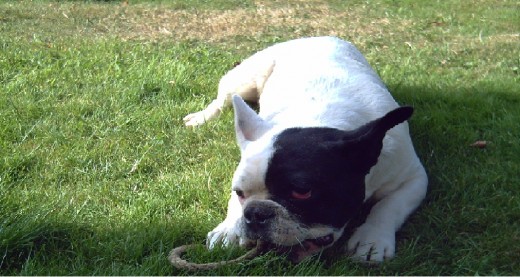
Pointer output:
x,y
299,186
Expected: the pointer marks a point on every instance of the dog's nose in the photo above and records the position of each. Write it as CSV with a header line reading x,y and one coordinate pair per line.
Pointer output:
x,y
257,215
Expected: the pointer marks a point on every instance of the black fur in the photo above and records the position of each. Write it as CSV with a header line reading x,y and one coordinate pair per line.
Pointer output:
x,y
331,164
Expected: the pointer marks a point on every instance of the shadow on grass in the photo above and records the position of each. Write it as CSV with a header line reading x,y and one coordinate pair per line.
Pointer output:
x,y
19,246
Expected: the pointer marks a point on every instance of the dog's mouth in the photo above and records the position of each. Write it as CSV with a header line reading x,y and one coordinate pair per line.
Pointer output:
x,y
310,247
306,248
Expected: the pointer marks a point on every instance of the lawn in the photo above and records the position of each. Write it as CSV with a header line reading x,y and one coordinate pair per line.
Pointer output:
x,y
98,175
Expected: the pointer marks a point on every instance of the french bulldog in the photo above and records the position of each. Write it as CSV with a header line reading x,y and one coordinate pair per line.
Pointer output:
x,y
328,137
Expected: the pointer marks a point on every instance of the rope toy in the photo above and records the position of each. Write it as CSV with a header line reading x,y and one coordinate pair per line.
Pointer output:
x,y
176,260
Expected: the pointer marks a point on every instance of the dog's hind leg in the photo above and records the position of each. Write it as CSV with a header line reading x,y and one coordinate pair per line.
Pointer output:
x,y
247,80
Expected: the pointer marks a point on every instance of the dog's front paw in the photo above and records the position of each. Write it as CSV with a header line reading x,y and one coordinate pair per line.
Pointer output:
x,y
372,244
226,234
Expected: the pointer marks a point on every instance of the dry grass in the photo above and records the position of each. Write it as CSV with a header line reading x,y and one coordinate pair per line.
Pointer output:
x,y
300,18
358,23
145,22
243,27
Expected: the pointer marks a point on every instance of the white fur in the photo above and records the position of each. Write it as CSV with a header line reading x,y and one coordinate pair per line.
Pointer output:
x,y
322,81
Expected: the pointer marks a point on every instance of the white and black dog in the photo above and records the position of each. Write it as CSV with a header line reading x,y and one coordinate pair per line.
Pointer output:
x,y
328,137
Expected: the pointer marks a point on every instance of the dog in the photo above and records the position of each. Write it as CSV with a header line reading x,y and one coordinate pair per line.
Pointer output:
x,y
328,137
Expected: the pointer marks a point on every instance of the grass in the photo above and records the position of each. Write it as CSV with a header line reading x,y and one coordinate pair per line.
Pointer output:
x,y
98,175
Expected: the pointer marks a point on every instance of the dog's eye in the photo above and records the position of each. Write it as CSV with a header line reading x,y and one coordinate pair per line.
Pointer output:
x,y
239,193
301,195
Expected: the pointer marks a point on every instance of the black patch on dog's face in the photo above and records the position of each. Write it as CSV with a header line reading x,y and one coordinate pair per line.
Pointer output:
x,y
319,173
310,160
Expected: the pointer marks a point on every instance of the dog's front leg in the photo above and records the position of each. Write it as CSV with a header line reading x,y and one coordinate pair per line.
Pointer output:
x,y
229,231
374,241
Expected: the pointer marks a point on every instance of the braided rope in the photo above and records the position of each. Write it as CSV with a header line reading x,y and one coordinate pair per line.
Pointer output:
x,y
176,260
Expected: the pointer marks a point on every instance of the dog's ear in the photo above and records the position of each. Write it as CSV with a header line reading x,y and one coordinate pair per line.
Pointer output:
x,y
366,142
248,125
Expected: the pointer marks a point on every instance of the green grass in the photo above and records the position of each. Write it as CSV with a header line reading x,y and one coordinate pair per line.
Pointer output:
x,y
98,175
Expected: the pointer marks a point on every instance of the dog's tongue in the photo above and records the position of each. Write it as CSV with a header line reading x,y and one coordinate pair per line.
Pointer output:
x,y
306,249
299,251
309,247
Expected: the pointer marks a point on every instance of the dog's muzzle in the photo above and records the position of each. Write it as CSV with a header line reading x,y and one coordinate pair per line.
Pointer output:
x,y
258,223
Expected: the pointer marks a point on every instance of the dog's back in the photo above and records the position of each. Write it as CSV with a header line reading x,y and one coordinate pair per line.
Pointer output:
x,y
327,78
